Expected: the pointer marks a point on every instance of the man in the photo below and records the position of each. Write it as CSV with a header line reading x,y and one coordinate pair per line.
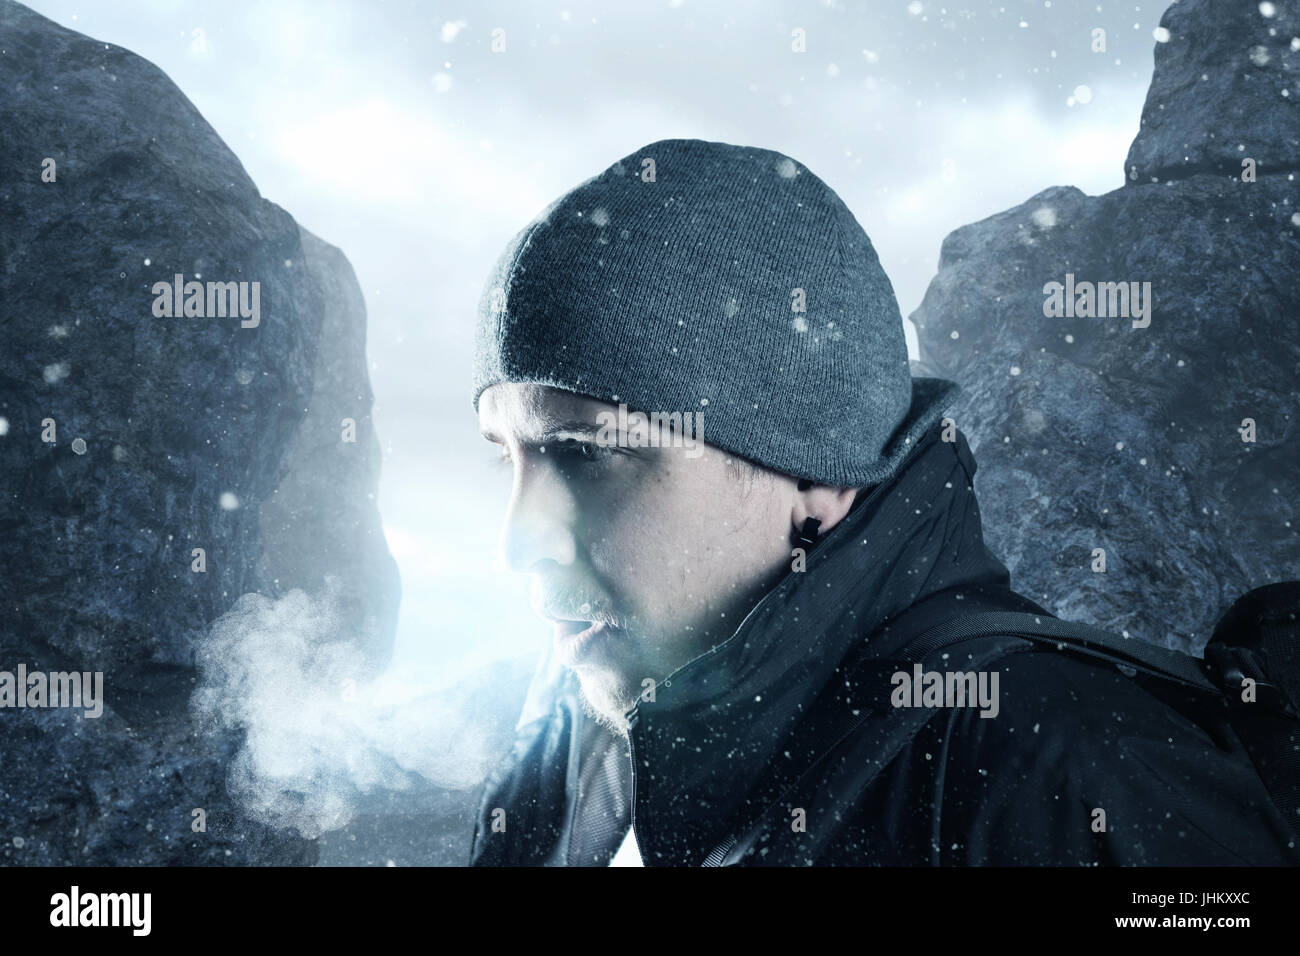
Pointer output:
x,y
728,490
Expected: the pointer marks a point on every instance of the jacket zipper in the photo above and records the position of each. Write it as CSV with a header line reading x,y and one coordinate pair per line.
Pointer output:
x,y
633,718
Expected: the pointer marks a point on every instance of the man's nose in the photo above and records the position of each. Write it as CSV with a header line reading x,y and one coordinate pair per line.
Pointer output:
x,y
539,523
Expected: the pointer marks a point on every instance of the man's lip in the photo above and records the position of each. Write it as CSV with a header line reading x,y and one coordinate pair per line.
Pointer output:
x,y
584,621
572,638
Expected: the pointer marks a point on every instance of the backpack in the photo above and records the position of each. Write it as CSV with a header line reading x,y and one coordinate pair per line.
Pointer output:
x,y
1251,666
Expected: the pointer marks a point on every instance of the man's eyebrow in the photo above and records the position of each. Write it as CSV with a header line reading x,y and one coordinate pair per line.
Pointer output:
x,y
570,427
552,431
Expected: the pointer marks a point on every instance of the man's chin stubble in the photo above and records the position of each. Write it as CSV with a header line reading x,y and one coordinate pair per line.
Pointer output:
x,y
606,704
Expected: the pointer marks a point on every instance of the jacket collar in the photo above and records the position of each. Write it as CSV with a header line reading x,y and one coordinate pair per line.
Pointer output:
x,y
737,721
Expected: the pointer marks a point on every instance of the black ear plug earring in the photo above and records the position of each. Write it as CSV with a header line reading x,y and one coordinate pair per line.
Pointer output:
x,y
808,536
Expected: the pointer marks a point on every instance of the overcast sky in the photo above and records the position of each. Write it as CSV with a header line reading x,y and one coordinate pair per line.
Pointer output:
x,y
391,130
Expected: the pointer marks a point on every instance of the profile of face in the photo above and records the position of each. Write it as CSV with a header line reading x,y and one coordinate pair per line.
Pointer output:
x,y
644,550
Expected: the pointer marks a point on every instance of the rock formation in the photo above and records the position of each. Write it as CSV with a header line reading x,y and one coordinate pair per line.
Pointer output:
x,y
1098,433
131,439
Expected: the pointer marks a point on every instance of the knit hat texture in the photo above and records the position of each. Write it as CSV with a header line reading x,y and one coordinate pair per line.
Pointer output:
x,y
728,281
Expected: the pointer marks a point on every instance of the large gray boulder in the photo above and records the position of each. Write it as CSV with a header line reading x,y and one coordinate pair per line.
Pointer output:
x,y
1096,433
169,434
1224,89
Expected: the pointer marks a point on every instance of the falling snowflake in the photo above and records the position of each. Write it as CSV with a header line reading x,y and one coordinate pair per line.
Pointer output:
x,y
56,372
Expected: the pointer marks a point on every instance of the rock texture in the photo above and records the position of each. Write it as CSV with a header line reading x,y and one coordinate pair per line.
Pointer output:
x,y
170,434
1091,433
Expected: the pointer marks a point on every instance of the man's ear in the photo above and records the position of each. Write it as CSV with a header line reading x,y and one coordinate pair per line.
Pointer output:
x,y
827,503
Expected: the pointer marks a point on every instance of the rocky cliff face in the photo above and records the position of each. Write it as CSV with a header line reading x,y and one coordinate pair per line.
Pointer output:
x,y
1103,432
137,430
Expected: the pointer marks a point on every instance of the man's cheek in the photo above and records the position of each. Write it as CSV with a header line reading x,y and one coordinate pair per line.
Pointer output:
x,y
636,562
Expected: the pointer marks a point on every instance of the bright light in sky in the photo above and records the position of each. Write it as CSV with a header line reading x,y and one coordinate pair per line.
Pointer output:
x,y
377,152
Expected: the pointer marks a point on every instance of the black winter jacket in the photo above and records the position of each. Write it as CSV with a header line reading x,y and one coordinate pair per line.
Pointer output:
x,y
781,745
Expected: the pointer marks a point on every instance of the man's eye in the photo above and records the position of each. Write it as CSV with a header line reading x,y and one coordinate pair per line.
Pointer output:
x,y
581,451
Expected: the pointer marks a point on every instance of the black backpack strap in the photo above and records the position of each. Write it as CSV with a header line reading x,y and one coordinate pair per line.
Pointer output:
x,y
941,624
1268,730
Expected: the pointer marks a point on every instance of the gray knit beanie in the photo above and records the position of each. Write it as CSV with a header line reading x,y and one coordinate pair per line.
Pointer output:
x,y
725,280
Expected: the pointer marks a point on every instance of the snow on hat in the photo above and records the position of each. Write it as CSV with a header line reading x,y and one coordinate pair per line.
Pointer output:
x,y
693,276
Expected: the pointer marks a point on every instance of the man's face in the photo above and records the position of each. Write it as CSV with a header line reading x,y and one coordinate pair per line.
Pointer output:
x,y
643,556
